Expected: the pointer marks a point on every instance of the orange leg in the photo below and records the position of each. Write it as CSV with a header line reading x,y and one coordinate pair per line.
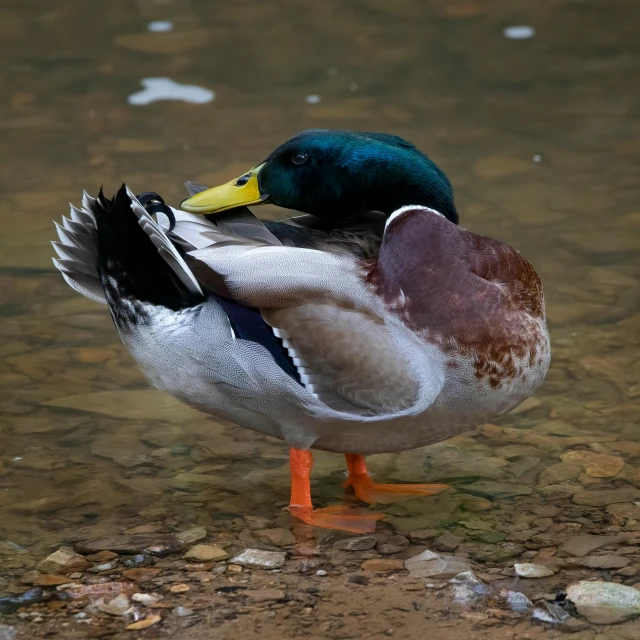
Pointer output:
x,y
334,517
369,491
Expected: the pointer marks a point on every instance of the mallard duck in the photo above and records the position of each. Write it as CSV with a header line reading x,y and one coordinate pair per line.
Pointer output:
x,y
382,327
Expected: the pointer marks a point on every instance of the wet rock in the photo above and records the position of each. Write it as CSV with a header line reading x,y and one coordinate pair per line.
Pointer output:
x,y
558,473
515,600
604,602
499,552
102,556
493,489
141,575
394,544
554,614
433,565
63,561
582,545
206,553
10,604
596,465
256,522
383,565
358,543
104,566
546,510
48,580
277,537
102,589
118,606
131,544
604,497
422,535
149,621
182,612
192,535
180,588
134,561
530,570
447,542
600,562
7,632
146,599
260,559
264,595
466,588
626,510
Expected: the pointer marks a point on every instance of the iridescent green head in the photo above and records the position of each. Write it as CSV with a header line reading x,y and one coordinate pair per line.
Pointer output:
x,y
336,175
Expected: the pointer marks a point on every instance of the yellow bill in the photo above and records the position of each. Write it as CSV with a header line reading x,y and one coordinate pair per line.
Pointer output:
x,y
239,192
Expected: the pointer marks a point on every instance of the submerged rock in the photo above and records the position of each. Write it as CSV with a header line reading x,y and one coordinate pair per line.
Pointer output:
x,y
600,562
63,561
131,544
10,604
604,602
554,614
581,545
433,565
603,497
530,570
515,600
206,553
119,606
260,559
278,537
466,588
358,543
7,632
383,565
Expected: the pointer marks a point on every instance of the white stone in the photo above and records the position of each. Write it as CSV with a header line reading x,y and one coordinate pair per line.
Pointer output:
x,y
604,602
260,559
531,570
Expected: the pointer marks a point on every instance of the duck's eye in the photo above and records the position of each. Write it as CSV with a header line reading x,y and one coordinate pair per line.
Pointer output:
x,y
242,180
299,158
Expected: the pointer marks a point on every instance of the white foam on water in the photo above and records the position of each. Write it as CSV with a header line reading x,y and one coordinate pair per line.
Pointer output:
x,y
519,32
160,26
166,89
312,99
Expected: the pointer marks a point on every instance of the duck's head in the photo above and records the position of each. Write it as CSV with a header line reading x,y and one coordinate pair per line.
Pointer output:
x,y
336,175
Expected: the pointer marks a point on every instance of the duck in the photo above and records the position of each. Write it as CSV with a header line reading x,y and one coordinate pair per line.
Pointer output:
x,y
369,322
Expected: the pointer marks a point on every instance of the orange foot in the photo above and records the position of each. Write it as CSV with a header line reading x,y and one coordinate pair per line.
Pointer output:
x,y
338,517
371,492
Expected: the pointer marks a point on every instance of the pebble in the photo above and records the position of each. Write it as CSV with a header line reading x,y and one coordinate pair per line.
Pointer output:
x,y
49,580
596,465
466,588
515,600
383,565
422,535
604,602
260,559
277,537
394,544
321,572
582,545
146,598
102,556
192,535
206,553
530,570
63,561
145,623
603,497
179,588
7,632
447,542
264,595
182,612
131,544
625,510
552,613
10,604
119,606
433,565
141,575
358,543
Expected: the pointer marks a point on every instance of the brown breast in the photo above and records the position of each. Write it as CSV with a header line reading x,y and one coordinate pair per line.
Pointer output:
x,y
471,295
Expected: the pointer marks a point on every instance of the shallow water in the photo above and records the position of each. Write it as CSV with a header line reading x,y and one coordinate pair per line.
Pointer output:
x,y
540,137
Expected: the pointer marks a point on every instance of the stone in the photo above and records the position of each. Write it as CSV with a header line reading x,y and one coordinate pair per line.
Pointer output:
x,y
146,599
466,588
118,606
278,537
422,535
144,623
49,580
7,632
604,497
182,612
604,602
179,588
626,510
531,570
260,559
143,574
558,473
383,565
130,544
596,465
264,595
358,543
394,544
192,535
63,561
256,522
102,556
447,542
206,553
433,565
552,613
600,562
515,600
582,545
